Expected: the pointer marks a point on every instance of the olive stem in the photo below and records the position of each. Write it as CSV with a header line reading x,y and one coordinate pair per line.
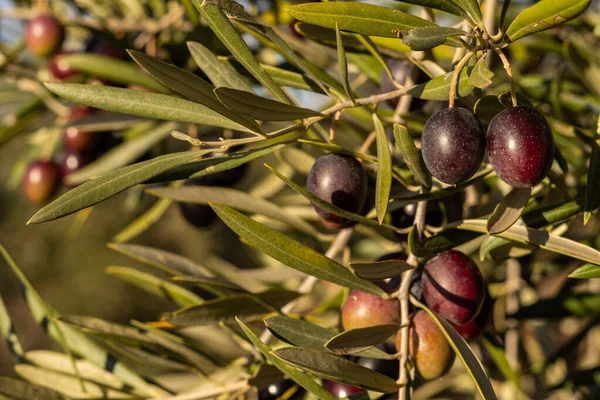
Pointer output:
x,y
508,68
403,297
456,73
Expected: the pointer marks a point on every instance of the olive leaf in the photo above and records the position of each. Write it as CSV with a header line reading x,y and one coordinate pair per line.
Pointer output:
x,y
261,108
342,62
587,271
357,340
481,76
378,270
383,184
428,37
543,15
336,368
439,88
291,252
443,5
411,155
508,211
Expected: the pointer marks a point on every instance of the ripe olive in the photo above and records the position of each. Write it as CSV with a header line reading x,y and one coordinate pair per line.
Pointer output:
x,y
340,390
520,146
76,139
59,68
341,181
453,286
453,145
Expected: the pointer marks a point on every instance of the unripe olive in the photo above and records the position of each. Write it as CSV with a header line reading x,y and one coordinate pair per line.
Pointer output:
x,y
429,349
363,309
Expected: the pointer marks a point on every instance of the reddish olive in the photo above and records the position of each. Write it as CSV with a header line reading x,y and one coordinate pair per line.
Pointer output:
x,y
44,35
520,146
363,309
40,181
453,286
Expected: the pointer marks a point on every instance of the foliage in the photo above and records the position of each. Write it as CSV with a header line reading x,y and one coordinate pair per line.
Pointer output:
x,y
230,84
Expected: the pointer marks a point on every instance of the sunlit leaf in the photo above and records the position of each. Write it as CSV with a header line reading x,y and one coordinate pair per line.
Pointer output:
x,y
411,155
543,15
508,211
356,340
383,185
587,271
291,252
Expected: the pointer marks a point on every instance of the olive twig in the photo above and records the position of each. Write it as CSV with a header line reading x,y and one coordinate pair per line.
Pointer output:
x,y
403,294
456,73
508,68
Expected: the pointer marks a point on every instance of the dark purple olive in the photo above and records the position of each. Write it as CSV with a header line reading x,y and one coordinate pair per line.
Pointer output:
x,y
40,181
453,145
453,286
520,146
44,35
341,181
473,329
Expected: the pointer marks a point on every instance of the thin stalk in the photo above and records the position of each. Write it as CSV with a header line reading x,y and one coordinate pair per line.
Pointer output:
x,y
456,73
508,68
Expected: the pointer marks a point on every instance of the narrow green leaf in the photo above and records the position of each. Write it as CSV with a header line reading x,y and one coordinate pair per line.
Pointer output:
x,y
337,368
471,8
261,108
428,37
543,15
149,105
225,31
210,282
228,308
305,334
443,5
220,73
592,189
191,86
587,271
464,352
357,340
110,184
283,77
439,88
328,206
342,62
112,69
291,252
366,19
158,287
121,155
299,377
508,211
235,199
481,76
172,263
20,390
411,155
542,239
378,270
107,121
383,185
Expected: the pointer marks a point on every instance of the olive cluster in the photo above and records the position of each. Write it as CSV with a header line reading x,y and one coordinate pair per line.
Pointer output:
x,y
44,37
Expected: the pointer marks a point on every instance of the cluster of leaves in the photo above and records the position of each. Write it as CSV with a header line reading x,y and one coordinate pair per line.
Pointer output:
x,y
213,347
